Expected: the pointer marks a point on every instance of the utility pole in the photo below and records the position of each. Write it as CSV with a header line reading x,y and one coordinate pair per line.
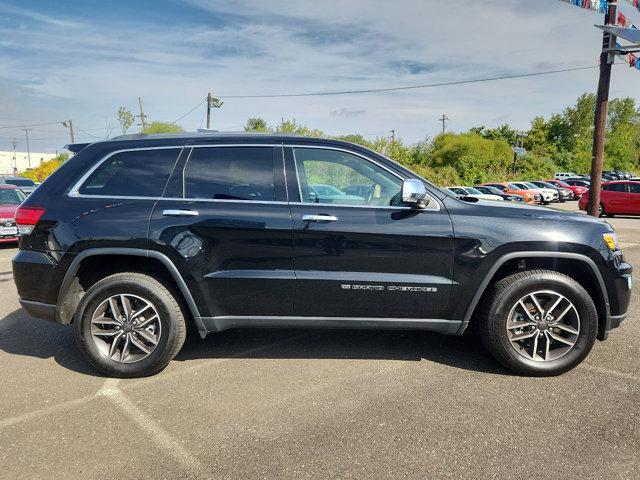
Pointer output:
x,y
393,136
26,132
444,119
600,123
142,116
69,125
211,102
15,162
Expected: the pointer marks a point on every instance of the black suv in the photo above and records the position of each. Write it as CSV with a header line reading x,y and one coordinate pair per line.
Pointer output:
x,y
135,237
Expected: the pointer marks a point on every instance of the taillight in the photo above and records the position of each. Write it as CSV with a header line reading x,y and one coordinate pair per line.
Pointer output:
x,y
27,217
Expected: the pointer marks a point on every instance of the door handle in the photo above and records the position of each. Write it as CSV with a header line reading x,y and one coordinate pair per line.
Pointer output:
x,y
180,213
319,218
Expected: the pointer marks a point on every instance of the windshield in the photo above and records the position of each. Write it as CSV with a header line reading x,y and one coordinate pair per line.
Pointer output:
x,y
473,191
518,186
12,197
20,182
531,185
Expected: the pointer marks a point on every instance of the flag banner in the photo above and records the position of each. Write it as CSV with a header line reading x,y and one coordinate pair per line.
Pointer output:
x,y
629,58
635,3
623,21
595,5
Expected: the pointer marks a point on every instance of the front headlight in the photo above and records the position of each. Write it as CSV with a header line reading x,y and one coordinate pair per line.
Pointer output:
x,y
611,241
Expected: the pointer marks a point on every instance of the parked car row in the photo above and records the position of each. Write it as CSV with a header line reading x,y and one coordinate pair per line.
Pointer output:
x,y
540,191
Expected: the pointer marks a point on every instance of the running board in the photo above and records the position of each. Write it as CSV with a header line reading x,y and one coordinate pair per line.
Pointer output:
x,y
218,324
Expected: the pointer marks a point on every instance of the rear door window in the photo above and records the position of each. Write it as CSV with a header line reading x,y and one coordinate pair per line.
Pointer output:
x,y
230,173
615,187
134,173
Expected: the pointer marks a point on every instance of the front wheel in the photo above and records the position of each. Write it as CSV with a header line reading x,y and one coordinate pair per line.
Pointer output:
x,y
538,322
129,325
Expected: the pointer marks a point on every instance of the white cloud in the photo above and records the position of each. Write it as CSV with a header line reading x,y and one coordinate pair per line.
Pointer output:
x,y
86,70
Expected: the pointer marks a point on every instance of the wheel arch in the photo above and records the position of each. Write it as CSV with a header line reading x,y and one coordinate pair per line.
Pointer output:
x,y
156,262
594,285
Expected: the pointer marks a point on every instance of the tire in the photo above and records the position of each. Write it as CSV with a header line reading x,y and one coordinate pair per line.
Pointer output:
x,y
147,342
601,210
499,332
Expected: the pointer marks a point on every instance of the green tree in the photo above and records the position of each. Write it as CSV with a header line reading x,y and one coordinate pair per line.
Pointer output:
x,y
256,124
125,119
163,127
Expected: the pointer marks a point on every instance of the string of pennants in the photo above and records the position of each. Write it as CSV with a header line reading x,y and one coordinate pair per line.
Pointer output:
x,y
622,21
598,5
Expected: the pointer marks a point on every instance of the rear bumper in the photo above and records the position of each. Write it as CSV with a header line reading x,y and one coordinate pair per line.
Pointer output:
x,y
40,310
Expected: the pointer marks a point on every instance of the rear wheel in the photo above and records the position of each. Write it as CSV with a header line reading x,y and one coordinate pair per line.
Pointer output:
x,y
129,325
538,322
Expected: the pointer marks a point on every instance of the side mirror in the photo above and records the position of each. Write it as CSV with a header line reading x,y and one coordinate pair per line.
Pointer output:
x,y
414,193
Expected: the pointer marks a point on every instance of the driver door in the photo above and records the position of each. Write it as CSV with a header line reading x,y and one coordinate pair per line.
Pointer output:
x,y
359,253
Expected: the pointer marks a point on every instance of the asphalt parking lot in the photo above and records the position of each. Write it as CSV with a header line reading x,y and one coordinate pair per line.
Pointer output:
x,y
316,404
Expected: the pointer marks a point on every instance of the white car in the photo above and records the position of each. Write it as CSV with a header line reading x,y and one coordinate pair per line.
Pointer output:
x,y
548,195
473,192
565,175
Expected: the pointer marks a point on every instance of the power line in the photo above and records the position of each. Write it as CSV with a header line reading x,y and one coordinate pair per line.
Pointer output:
x,y
414,87
27,126
86,133
189,112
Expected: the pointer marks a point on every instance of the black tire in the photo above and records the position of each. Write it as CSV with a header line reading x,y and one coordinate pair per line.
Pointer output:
x,y
602,212
170,317
504,295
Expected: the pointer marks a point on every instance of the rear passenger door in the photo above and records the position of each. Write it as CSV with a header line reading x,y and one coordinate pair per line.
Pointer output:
x,y
225,223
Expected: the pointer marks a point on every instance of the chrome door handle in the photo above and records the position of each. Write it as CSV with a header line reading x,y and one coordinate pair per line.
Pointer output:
x,y
319,218
180,213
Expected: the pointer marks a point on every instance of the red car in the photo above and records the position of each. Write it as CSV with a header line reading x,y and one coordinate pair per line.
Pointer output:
x,y
617,198
10,198
577,190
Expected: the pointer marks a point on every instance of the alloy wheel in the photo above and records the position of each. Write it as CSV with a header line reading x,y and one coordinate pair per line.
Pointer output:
x,y
543,326
126,328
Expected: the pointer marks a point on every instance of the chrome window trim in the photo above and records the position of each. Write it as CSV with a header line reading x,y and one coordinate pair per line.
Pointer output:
x,y
75,190
432,201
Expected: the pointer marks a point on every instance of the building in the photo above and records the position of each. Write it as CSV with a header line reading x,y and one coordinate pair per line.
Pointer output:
x,y
21,163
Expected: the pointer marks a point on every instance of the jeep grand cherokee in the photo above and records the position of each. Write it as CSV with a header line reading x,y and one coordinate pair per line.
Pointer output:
x,y
133,238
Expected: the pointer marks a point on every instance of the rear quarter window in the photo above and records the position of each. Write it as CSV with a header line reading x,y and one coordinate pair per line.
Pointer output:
x,y
135,173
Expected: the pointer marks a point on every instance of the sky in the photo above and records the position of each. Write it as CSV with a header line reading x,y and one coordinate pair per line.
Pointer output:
x,y
81,60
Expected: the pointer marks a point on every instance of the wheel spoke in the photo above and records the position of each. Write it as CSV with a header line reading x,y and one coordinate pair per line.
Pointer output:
x,y
535,347
520,324
526,310
126,306
115,343
537,305
555,304
105,333
561,316
115,310
566,328
140,345
147,321
125,348
146,335
524,336
547,344
560,339
106,321
137,313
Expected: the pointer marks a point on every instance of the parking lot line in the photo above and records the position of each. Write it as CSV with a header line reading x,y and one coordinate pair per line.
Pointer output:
x,y
159,435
